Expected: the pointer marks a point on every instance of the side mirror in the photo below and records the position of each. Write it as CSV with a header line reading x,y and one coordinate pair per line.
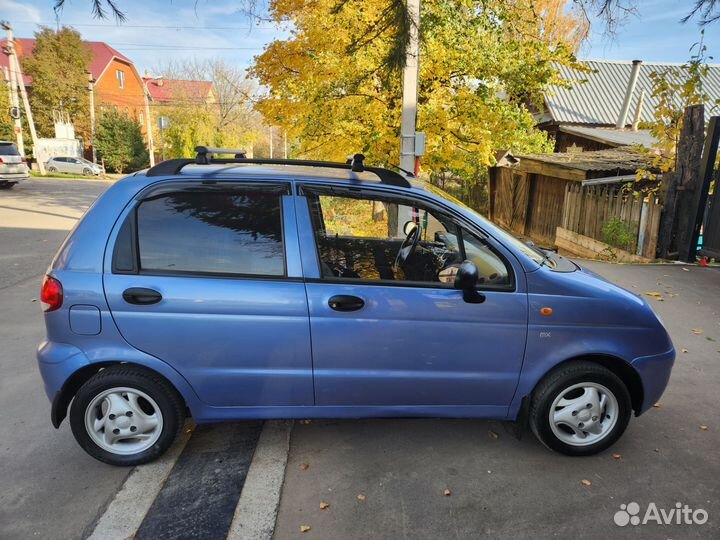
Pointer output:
x,y
409,227
466,280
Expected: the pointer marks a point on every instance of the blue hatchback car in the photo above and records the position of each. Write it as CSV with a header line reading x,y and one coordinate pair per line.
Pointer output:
x,y
235,288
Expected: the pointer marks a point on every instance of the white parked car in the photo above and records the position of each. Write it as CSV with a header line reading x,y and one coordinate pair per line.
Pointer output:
x,y
13,167
74,165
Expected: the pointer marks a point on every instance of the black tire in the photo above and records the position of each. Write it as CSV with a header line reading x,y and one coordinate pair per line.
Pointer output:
x,y
563,378
52,169
86,172
168,400
7,185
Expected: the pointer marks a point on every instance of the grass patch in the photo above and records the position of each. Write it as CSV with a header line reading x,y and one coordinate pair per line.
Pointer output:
x,y
36,174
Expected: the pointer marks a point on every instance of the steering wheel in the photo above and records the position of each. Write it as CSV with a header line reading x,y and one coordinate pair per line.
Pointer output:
x,y
408,246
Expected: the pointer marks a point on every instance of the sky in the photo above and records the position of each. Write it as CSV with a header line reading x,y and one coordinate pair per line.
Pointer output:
x,y
157,31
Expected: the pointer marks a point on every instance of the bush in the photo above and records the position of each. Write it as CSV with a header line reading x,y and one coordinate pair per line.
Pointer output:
x,y
120,144
618,234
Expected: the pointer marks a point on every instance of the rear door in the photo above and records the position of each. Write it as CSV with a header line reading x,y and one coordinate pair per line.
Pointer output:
x,y
207,278
394,335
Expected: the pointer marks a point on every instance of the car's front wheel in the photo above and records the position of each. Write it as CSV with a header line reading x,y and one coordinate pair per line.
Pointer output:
x,y
126,416
580,409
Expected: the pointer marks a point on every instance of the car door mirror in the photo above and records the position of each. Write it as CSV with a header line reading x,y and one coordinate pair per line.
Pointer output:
x,y
409,227
466,280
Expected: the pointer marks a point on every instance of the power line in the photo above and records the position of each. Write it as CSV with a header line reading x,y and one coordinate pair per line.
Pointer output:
x,y
158,26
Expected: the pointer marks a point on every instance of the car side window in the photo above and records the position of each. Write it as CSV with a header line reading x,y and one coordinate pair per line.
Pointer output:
x,y
235,232
377,238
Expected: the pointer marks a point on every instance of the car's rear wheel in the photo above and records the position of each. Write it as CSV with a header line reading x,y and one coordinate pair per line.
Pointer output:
x,y
87,172
126,416
52,169
580,409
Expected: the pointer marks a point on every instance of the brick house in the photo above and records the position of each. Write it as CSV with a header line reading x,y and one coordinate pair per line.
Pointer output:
x,y
114,81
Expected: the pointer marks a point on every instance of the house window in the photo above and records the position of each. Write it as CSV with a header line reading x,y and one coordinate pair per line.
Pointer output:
x,y
120,77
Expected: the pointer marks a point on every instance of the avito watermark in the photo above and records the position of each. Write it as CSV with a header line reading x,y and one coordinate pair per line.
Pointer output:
x,y
681,514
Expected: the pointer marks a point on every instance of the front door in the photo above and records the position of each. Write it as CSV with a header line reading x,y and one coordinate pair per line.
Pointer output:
x,y
387,327
201,279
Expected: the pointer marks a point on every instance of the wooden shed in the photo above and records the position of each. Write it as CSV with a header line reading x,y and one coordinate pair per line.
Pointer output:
x,y
527,192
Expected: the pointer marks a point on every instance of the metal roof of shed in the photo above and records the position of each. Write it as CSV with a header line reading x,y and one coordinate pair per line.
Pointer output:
x,y
612,136
598,100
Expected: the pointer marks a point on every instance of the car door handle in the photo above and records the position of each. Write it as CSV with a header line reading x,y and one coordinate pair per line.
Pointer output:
x,y
345,302
141,296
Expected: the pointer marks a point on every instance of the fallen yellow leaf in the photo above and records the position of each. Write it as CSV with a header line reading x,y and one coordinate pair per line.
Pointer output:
x,y
324,505
704,428
304,528
492,434
697,331
304,466
447,492
685,351
586,482
653,293
686,270
657,405
617,456
361,497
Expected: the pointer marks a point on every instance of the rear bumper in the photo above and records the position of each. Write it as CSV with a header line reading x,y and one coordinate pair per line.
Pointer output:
x,y
57,362
654,372
13,178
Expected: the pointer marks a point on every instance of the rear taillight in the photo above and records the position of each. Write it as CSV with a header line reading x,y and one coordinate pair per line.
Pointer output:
x,y
1,160
51,294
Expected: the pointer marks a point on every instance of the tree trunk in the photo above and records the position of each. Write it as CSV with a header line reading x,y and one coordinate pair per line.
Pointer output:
x,y
378,211
690,182
678,217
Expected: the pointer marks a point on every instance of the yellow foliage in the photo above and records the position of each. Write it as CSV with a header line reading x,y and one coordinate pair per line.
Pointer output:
x,y
331,86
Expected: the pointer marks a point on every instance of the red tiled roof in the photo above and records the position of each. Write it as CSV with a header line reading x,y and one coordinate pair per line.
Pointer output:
x,y
102,54
165,90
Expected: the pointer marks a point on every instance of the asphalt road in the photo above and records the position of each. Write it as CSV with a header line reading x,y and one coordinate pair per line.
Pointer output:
x,y
51,489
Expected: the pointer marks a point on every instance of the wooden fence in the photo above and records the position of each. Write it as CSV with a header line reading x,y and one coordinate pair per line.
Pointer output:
x,y
587,210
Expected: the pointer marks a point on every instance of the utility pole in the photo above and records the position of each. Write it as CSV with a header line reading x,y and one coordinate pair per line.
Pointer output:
x,y
410,90
91,89
15,66
149,126
15,106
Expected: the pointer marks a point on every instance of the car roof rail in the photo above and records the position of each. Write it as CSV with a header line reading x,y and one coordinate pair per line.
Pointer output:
x,y
206,156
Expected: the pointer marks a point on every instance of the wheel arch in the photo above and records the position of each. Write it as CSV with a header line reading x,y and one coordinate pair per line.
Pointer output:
x,y
622,369
64,397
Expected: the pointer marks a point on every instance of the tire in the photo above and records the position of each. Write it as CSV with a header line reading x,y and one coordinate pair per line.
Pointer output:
x,y
86,172
570,392
52,169
7,185
131,401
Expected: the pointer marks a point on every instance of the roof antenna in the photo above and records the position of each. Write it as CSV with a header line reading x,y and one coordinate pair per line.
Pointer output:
x,y
356,163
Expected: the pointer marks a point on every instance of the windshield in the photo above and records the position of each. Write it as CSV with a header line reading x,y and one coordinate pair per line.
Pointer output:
x,y
505,237
8,150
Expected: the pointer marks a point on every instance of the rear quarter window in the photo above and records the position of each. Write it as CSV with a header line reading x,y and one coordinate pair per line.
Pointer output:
x,y
236,232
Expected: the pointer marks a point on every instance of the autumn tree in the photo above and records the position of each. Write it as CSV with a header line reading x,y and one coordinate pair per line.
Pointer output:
x,y
119,142
332,85
224,118
675,88
58,68
7,127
